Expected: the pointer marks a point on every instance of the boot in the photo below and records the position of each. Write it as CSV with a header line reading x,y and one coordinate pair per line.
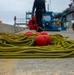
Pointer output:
x,y
39,29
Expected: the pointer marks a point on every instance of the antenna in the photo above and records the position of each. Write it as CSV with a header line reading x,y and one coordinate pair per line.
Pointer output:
x,y
49,4
48,7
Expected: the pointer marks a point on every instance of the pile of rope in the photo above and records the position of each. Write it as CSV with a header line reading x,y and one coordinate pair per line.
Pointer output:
x,y
21,46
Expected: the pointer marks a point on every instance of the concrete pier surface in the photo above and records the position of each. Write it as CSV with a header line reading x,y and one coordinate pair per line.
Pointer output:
x,y
57,66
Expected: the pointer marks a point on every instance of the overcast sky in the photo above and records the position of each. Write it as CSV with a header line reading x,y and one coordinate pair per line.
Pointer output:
x,y
18,8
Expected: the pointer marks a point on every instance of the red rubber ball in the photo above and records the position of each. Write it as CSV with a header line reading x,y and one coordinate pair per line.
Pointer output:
x,y
48,39
29,34
44,33
40,40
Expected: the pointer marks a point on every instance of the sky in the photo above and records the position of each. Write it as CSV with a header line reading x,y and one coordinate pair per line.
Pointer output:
x,y
18,8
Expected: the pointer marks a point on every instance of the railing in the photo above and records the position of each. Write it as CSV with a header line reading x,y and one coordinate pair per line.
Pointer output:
x,y
22,21
19,21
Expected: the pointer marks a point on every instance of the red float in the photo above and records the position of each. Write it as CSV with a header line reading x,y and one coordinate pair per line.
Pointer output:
x,y
29,34
44,33
40,40
37,33
48,39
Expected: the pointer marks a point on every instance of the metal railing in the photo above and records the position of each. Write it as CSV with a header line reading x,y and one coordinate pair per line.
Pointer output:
x,y
22,21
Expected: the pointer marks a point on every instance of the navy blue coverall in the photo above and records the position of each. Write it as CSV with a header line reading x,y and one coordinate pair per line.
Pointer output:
x,y
39,5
